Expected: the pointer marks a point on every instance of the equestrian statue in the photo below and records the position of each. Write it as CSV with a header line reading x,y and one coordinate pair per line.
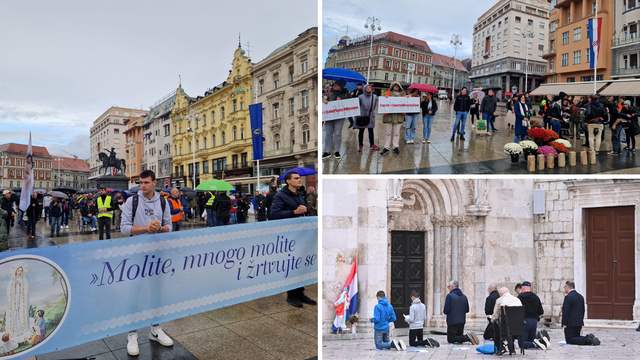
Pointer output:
x,y
110,160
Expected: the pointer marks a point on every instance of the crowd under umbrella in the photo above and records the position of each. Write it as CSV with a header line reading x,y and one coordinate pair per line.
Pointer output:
x,y
135,189
40,191
491,87
64,188
215,185
93,191
478,93
58,194
302,171
17,189
424,88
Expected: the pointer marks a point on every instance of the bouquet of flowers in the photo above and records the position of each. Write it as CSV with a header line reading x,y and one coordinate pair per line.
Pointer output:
x,y
528,147
354,320
546,150
542,135
513,149
559,147
564,142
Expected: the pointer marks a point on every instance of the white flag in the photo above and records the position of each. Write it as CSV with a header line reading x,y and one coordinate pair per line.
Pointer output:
x,y
27,183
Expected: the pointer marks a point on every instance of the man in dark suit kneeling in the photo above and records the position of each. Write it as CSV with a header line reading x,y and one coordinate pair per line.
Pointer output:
x,y
572,316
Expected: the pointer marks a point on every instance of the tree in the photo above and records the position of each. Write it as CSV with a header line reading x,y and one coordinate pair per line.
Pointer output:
x,y
57,277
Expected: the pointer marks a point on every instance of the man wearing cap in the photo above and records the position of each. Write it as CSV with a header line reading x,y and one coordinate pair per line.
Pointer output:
x,y
532,312
106,205
5,204
88,212
333,128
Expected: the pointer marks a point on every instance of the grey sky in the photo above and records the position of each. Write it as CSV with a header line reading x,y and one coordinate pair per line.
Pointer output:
x,y
432,20
66,62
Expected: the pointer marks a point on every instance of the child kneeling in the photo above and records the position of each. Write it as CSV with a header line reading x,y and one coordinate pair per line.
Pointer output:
x,y
383,314
417,316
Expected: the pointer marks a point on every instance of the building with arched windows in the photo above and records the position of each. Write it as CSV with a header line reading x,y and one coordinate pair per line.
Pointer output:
x,y
286,83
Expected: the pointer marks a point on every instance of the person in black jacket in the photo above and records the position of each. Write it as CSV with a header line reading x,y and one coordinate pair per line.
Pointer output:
x,y
614,124
594,116
268,200
461,107
488,106
456,307
88,212
288,203
7,206
354,95
106,205
629,121
532,312
554,115
55,209
572,317
429,107
222,208
33,214
489,304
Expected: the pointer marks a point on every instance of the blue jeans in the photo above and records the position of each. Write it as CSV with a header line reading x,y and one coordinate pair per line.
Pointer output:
x,y
222,223
427,121
381,337
530,327
55,224
410,126
556,126
234,218
91,220
515,138
615,138
490,121
210,220
460,116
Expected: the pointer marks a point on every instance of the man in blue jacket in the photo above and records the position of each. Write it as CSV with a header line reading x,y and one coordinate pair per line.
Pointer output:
x,y
572,317
383,314
288,203
456,307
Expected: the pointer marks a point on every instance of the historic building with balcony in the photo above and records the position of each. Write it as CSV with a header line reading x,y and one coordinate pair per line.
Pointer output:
x,y
501,55
286,83
625,49
216,127
12,158
569,55
157,142
134,148
443,73
70,171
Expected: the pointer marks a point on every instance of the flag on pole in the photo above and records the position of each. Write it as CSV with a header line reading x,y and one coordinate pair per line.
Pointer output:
x,y
27,183
347,303
594,42
255,115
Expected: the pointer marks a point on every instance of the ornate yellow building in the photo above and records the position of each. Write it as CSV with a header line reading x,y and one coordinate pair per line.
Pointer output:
x,y
217,127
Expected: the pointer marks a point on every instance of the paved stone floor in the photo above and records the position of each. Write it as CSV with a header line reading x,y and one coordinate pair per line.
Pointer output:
x,y
475,155
615,344
266,328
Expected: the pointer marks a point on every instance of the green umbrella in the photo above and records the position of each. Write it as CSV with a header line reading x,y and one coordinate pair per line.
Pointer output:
x,y
215,185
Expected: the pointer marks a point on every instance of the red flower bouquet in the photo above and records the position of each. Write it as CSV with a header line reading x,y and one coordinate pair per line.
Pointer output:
x,y
542,135
559,147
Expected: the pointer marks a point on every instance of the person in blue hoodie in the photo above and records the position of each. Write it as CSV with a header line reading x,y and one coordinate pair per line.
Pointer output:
x,y
456,307
383,314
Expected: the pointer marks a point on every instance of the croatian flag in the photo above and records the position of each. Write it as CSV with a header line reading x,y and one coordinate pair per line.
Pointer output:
x,y
27,183
594,42
347,303
113,171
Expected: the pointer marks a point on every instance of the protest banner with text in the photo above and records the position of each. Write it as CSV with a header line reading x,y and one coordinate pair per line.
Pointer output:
x,y
394,105
340,109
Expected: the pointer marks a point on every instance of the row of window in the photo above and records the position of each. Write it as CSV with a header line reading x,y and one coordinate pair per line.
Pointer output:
x,y
306,137
384,50
36,175
18,162
585,78
577,58
216,164
304,67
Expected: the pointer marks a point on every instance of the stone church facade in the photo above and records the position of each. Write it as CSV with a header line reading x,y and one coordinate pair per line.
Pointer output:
x,y
422,233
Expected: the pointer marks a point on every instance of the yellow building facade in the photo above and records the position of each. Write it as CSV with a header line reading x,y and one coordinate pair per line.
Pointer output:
x,y
216,126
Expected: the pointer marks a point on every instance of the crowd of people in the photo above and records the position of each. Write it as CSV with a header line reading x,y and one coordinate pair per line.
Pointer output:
x,y
568,116
456,307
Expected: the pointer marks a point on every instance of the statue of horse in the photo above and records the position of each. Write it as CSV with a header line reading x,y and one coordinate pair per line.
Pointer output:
x,y
107,162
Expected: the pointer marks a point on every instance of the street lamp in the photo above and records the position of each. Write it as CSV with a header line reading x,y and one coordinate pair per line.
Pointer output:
x,y
526,33
455,40
193,115
3,158
130,158
374,23
58,159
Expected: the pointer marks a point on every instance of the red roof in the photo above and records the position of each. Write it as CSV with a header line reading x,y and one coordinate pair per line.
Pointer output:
x,y
447,61
20,149
395,37
69,163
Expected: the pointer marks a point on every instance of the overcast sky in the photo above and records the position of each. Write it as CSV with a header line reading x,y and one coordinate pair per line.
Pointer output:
x,y
65,62
433,21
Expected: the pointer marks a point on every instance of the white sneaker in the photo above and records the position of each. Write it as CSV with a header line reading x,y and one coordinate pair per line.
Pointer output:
x,y
395,345
132,344
473,126
160,337
428,141
93,229
424,141
488,133
66,226
403,346
539,344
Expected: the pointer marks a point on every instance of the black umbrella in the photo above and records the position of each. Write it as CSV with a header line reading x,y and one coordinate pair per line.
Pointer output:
x,y
64,188
186,188
492,87
135,189
93,191
58,194
17,189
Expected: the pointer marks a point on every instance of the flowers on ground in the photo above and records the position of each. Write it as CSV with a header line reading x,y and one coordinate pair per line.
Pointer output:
x,y
546,150
513,149
564,142
528,147
559,147
544,135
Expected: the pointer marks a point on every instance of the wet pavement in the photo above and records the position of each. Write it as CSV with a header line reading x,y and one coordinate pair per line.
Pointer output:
x,y
478,154
266,328
615,344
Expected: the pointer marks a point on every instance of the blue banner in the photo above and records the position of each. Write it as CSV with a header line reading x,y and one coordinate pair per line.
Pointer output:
x,y
255,113
61,296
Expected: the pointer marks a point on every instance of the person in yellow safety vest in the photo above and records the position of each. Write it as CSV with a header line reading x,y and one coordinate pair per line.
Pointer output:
x,y
211,219
106,206
176,209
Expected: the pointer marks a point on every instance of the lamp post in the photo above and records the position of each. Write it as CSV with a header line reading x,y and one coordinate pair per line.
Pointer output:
x,y
58,159
525,34
3,158
193,115
374,23
128,144
455,40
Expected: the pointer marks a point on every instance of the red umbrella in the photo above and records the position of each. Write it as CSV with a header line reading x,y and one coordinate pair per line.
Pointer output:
x,y
424,88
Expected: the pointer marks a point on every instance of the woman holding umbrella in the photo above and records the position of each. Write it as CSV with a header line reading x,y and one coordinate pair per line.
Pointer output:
x,y
333,128
368,102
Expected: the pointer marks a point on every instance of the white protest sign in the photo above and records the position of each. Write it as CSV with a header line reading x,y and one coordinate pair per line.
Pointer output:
x,y
340,109
393,105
